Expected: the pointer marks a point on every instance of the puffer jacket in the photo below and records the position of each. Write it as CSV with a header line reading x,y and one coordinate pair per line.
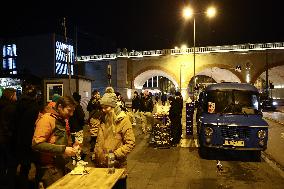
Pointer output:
x,y
50,138
120,139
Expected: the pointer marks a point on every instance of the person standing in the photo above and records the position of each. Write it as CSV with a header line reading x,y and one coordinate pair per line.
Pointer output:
x,y
163,98
77,120
7,133
175,115
121,102
116,135
94,104
156,98
135,107
52,141
135,102
94,109
27,113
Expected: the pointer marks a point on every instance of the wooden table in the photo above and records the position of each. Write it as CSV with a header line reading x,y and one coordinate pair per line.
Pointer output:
x,y
97,178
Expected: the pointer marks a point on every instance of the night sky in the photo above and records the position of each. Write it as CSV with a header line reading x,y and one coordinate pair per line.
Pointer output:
x,y
104,26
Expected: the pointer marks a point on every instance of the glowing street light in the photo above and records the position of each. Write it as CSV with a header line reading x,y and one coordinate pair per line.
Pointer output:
x,y
187,14
211,12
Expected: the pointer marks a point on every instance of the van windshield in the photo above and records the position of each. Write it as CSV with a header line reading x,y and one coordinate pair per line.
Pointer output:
x,y
232,102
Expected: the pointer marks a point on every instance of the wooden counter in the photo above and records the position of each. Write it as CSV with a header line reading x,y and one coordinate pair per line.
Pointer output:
x,y
97,178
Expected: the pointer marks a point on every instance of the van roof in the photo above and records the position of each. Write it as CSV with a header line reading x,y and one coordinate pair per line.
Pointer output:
x,y
231,86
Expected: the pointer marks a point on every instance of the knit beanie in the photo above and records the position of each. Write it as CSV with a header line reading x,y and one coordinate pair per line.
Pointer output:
x,y
109,90
55,97
109,99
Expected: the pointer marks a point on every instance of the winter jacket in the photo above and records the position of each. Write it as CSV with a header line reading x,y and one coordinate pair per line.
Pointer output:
x,y
50,138
136,103
119,138
27,114
93,104
146,104
77,121
7,121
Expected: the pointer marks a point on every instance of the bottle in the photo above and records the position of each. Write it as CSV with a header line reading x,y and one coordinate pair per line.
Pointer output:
x,y
111,159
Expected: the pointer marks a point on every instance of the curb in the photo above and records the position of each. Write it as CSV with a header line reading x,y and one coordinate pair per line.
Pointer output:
x,y
271,119
268,159
272,163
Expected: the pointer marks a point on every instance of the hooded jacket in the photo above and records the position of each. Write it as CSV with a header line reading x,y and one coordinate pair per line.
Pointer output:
x,y
50,138
120,139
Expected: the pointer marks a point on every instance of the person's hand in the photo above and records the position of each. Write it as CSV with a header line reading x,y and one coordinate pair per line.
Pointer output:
x,y
94,131
77,145
70,151
93,156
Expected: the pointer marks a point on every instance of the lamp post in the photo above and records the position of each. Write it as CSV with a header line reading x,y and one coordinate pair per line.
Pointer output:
x,y
188,13
183,48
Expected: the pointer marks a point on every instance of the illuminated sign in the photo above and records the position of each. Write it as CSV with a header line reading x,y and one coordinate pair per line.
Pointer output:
x,y
9,58
64,53
10,83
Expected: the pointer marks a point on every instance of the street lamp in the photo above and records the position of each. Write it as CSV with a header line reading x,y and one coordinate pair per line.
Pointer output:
x,y
187,14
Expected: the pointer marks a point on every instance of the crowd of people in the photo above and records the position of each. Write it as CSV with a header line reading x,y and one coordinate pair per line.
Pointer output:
x,y
44,135
144,103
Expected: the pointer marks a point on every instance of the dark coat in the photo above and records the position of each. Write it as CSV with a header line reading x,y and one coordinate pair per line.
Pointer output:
x,y
147,104
7,120
93,104
136,103
27,114
77,121
164,98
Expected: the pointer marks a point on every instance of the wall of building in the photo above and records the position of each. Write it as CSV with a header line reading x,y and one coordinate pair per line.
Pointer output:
x,y
82,86
98,73
36,55
84,89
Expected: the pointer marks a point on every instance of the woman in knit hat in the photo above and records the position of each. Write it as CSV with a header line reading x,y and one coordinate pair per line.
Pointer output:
x,y
115,134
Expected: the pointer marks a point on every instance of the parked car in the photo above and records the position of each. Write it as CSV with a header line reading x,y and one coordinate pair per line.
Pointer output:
x,y
268,104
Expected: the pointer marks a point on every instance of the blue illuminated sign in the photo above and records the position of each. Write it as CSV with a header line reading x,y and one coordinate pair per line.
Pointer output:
x,y
9,58
64,53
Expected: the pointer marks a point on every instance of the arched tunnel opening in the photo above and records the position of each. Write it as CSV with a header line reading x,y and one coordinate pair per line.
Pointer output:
x,y
155,81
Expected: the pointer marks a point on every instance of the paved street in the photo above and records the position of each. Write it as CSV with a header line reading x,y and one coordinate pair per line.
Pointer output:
x,y
180,167
183,168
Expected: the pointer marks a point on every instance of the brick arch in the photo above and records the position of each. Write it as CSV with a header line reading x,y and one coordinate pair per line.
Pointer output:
x,y
224,66
270,65
149,68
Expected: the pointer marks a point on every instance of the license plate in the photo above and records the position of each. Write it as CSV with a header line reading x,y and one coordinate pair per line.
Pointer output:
x,y
234,143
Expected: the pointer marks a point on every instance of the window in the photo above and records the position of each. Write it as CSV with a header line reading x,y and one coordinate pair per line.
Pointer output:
x,y
232,102
54,88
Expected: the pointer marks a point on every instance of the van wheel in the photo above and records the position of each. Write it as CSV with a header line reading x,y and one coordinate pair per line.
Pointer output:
x,y
256,155
203,152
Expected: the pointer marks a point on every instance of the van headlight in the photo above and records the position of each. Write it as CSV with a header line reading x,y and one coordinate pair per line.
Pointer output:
x,y
208,131
261,134
274,103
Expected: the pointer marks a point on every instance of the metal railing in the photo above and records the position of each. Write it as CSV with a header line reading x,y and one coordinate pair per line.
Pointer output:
x,y
208,49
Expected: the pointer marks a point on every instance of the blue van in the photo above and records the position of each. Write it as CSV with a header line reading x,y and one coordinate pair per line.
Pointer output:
x,y
229,117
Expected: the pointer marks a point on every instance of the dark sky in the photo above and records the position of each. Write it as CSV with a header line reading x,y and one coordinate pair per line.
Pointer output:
x,y
105,25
